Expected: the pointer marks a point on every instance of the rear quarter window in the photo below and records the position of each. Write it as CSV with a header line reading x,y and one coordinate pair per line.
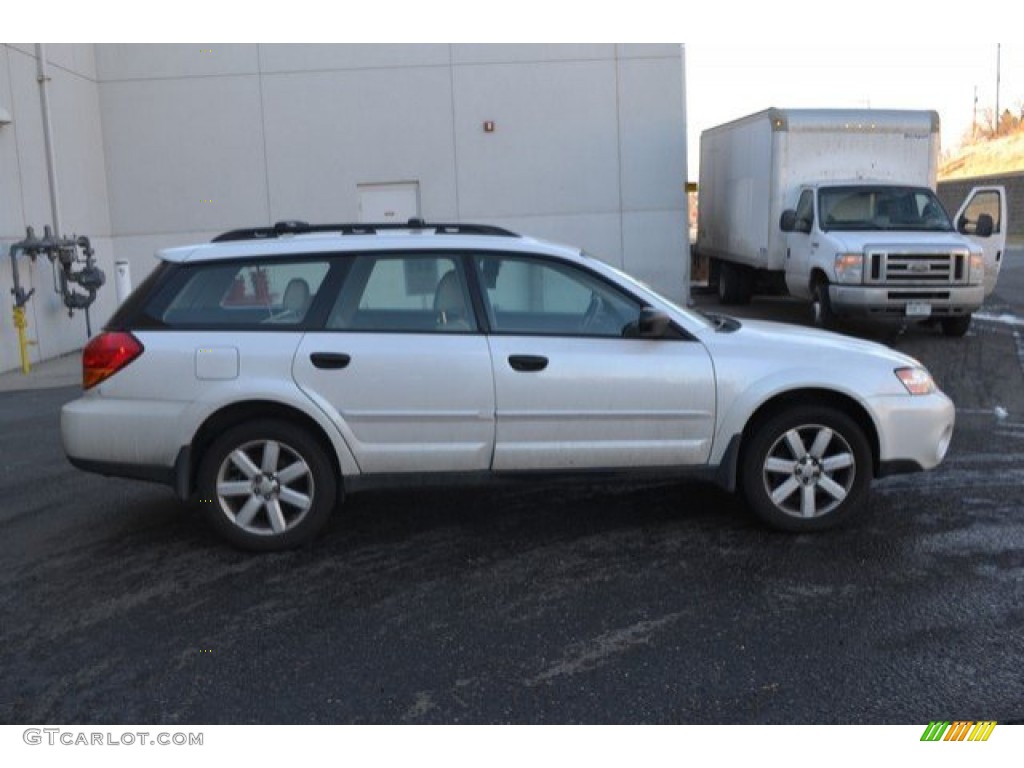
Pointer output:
x,y
256,294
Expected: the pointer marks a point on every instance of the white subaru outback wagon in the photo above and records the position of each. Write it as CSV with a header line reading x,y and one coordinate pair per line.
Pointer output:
x,y
270,372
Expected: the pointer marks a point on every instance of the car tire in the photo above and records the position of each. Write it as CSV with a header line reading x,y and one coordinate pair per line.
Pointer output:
x,y
735,283
806,469
821,304
267,485
955,326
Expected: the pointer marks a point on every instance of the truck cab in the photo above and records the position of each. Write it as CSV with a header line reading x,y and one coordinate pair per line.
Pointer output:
x,y
881,249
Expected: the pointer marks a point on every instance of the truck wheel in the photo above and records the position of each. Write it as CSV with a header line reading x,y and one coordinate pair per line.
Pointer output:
x,y
824,315
806,469
734,283
267,485
955,326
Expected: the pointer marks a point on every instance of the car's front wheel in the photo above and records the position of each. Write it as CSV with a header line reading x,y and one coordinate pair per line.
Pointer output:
x,y
806,468
267,485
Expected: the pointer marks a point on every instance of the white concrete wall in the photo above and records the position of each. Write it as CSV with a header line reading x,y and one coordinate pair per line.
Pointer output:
x,y
169,144
25,195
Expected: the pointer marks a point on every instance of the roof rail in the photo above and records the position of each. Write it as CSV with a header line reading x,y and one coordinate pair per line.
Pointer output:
x,y
301,227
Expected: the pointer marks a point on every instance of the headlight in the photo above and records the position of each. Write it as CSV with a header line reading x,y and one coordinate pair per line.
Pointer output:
x,y
849,267
977,274
917,380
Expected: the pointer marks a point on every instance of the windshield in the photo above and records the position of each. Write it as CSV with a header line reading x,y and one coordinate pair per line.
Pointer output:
x,y
881,208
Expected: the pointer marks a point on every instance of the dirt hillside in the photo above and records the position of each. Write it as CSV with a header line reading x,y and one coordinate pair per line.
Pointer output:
x,y
987,158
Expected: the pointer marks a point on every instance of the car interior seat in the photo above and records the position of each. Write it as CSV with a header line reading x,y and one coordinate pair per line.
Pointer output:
x,y
450,303
297,298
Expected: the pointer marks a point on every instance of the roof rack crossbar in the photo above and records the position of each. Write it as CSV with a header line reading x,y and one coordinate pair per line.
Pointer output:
x,y
301,227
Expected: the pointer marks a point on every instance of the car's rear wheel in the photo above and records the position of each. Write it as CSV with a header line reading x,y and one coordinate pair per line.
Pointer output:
x,y
267,485
806,469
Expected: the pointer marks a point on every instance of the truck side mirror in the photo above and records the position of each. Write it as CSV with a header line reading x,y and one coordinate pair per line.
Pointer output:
x,y
985,226
790,223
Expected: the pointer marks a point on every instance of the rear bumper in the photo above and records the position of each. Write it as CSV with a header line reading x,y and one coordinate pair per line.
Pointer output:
x,y
127,438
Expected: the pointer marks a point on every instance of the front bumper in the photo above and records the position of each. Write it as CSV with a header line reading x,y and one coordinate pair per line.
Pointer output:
x,y
892,301
914,432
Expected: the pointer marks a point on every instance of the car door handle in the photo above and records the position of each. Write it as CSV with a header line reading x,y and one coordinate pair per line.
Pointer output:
x,y
528,362
330,360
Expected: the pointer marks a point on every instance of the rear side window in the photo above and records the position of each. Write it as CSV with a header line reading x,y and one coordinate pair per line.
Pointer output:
x,y
132,313
414,293
240,294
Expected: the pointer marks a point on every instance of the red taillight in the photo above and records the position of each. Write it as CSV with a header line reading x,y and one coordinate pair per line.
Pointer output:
x,y
107,354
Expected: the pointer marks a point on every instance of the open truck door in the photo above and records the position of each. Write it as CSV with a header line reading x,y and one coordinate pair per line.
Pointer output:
x,y
982,218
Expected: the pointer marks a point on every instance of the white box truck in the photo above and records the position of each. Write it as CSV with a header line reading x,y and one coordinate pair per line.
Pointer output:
x,y
839,207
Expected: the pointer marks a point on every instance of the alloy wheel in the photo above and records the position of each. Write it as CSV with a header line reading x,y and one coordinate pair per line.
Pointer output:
x,y
265,487
809,471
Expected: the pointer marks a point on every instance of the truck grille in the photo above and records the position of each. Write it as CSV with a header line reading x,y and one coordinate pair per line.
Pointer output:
x,y
894,268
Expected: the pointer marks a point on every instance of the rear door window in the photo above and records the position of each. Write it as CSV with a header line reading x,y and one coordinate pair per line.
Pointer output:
x,y
404,293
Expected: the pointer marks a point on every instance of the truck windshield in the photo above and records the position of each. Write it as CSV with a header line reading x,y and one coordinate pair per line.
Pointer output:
x,y
882,208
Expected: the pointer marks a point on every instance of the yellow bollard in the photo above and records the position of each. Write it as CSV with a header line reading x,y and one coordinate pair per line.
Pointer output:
x,y
23,341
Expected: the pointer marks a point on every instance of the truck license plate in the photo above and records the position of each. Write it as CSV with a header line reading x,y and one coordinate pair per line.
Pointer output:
x,y
919,309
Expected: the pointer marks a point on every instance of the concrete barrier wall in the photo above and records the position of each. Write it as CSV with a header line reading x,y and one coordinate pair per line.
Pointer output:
x,y
952,193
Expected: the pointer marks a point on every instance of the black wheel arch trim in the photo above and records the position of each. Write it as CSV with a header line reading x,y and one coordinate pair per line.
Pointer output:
x,y
728,467
184,486
898,467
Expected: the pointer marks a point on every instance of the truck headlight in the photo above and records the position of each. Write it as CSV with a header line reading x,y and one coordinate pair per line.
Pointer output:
x,y
977,268
916,380
849,267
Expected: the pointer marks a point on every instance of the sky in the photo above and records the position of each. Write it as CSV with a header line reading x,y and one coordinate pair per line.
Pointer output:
x,y
725,81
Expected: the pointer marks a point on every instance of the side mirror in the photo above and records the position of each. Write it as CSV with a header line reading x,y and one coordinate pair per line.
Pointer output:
x,y
787,223
652,323
985,226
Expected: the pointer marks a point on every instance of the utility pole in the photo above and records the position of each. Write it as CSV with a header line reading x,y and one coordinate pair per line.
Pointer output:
x,y
974,118
999,47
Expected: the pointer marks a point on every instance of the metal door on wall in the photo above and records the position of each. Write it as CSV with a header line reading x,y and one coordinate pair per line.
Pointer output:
x,y
395,202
